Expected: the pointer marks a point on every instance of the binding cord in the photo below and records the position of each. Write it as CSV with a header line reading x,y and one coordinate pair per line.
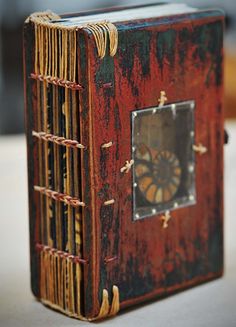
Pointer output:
x,y
61,291
100,32
56,58
53,41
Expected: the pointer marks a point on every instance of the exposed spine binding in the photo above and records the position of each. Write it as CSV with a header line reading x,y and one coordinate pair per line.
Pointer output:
x,y
61,291
57,81
60,140
41,247
74,202
52,40
56,75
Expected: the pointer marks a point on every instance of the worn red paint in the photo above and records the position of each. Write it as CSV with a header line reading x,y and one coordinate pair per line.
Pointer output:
x,y
147,252
150,261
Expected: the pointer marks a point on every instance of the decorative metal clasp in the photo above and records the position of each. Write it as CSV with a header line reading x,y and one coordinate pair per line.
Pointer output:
x,y
162,98
165,219
201,149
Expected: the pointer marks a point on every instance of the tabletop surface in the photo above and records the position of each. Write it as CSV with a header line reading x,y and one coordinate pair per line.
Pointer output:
x,y
211,304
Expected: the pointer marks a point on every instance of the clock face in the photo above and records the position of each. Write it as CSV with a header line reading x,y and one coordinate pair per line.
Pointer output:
x,y
163,170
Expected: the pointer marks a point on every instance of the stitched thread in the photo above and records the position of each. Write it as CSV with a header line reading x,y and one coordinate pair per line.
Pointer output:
x,y
101,31
107,85
127,166
107,145
108,202
105,311
74,258
165,218
108,260
115,305
162,98
53,251
58,140
59,35
57,81
56,62
61,291
201,149
74,202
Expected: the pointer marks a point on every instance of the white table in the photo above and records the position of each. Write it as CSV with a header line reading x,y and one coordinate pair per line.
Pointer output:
x,y
211,304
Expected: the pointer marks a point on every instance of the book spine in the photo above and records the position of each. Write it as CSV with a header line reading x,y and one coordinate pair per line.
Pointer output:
x,y
54,165
31,93
61,163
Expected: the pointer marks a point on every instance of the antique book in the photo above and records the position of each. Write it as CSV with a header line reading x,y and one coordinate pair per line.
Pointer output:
x,y
124,122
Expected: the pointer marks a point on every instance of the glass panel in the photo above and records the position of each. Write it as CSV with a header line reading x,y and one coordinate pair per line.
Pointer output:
x,y
164,168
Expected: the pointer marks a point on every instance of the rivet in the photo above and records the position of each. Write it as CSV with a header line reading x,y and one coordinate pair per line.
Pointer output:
x,y
191,197
191,168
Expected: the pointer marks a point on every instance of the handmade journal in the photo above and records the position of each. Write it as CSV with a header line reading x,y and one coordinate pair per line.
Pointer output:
x,y
124,123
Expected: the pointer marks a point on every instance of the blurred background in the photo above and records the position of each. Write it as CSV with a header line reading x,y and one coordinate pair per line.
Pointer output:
x,y
12,16
212,304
